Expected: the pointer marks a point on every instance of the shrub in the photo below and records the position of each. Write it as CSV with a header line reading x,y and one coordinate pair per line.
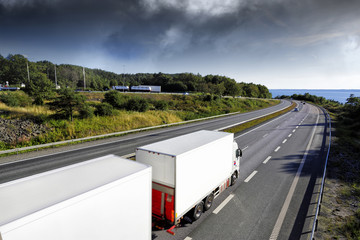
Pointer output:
x,y
16,99
137,104
161,105
104,109
116,99
86,111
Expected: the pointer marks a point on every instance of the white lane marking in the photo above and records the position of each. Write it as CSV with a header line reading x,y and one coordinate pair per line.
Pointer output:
x,y
250,176
267,159
245,148
275,233
265,135
277,149
294,130
284,141
218,209
290,135
187,238
297,126
278,126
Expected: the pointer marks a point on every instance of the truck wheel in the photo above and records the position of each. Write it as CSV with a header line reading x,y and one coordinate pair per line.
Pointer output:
x,y
198,209
208,201
233,178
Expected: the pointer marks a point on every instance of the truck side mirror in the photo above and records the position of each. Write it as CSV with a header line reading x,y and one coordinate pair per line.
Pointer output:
x,y
238,153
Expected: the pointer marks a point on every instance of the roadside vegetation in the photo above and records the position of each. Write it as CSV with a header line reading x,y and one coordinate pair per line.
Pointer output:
x,y
40,77
340,214
71,115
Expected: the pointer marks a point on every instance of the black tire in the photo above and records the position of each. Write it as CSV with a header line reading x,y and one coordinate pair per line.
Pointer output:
x,y
198,210
233,178
208,201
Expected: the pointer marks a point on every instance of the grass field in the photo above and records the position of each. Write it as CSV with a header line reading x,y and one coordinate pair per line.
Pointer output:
x,y
176,108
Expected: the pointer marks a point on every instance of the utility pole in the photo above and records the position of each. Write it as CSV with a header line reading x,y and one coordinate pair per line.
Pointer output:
x,y
28,72
55,78
84,78
123,77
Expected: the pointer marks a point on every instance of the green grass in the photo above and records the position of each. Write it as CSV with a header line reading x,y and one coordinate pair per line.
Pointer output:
x,y
177,108
340,215
257,121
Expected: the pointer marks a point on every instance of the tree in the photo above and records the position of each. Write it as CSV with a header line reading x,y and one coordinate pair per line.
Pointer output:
x,y
116,99
67,103
40,87
17,70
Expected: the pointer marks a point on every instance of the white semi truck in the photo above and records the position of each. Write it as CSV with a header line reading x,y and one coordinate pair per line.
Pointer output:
x,y
189,171
104,198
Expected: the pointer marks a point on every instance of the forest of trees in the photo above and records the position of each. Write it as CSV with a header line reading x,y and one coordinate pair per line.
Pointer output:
x,y
16,69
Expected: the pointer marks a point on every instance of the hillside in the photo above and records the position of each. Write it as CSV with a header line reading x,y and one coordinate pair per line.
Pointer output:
x,y
13,69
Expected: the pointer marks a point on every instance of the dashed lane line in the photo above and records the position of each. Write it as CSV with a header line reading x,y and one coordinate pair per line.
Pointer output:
x,y
267,159
250,176
218,209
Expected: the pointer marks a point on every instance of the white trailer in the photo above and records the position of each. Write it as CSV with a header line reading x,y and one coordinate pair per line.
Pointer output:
x,y
104,198
189,171
155,89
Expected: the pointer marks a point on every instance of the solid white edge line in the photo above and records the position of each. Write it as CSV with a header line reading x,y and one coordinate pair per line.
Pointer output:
x,y
250,176
276,230
267,159
218,209
277,149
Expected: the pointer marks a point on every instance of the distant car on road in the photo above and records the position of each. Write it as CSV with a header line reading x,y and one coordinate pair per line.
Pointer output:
x,y
296,109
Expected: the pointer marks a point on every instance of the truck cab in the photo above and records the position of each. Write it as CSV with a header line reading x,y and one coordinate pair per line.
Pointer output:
x,y
237,154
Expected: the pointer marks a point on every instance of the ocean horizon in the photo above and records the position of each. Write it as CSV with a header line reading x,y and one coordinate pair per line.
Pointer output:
x,y
339,95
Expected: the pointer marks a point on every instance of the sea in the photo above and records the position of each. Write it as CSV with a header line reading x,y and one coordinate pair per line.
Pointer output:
x,y
339,95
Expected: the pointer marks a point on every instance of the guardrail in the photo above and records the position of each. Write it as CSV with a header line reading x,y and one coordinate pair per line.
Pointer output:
x,y
315,223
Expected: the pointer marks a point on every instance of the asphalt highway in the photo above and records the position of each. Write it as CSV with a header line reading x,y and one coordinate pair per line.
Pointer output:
x,y
22,165
273,197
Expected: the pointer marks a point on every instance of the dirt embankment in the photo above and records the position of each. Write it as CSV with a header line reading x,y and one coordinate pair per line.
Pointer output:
x,y
14,131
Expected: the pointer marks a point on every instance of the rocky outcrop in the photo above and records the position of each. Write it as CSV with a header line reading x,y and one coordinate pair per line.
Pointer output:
x,y
13,131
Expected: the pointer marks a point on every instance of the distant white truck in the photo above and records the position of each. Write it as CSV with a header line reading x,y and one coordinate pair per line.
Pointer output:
x,y
189,171
104,198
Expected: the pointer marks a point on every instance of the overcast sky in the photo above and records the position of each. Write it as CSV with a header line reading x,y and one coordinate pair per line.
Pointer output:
x,y
307,44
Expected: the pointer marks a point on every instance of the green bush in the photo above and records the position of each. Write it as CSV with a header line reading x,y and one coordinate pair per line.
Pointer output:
x,y
161,105
116,99
16,99
137,104
86,111
104,109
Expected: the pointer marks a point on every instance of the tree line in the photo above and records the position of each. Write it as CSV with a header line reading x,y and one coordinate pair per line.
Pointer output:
x,y
39,78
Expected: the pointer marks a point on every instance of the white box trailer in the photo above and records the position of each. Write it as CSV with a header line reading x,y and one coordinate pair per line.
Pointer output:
x,y
104,198
189,171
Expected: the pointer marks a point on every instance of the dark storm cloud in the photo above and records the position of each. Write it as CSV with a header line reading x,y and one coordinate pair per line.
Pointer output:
x,y
133,28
